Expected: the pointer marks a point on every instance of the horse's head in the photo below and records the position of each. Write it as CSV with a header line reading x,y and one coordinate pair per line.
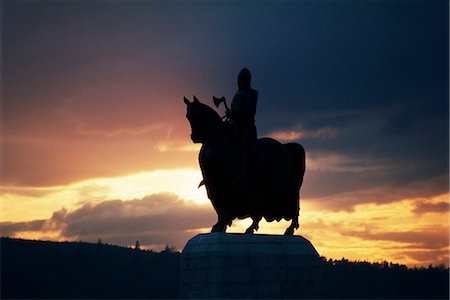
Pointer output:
x,y
203,119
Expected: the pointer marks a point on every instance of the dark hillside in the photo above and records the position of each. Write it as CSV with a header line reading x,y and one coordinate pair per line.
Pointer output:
x,y
342,279
34,269
50,270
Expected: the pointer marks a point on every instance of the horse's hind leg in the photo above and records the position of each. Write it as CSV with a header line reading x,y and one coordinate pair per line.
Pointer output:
x,y
294,225
218,227
255,225
221,225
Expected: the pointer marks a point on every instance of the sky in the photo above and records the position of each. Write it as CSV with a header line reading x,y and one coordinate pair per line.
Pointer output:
x,y
95,143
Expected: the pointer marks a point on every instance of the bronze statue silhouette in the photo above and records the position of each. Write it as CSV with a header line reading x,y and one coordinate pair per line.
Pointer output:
x,y
263,182
241,118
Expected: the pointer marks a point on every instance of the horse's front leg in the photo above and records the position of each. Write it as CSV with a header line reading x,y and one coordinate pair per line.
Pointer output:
x,y
255,225
294,225
221,225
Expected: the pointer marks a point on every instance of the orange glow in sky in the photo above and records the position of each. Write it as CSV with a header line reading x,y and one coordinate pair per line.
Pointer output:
x,y
370,232
95,143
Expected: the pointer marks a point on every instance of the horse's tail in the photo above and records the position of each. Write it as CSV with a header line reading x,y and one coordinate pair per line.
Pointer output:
x,y
296,159
294,166
287,160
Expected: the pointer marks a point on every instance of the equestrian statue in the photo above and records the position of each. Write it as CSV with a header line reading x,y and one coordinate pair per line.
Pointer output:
x,y
245,176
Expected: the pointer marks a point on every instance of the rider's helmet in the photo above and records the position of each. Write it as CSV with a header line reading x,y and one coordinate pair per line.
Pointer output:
x,y
244,79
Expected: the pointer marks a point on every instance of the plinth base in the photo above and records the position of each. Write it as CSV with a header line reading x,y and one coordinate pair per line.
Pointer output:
x,y
219,265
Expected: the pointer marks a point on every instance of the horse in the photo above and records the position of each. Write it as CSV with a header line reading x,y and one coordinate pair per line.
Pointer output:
x,y
277,172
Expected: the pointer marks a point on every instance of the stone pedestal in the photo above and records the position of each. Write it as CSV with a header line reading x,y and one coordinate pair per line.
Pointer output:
x,y
220,265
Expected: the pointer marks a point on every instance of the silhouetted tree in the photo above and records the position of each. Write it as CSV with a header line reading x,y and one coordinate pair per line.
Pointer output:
x,y
170,249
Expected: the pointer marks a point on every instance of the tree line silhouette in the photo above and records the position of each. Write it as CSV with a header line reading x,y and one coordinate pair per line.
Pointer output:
x,y
346,279
79,270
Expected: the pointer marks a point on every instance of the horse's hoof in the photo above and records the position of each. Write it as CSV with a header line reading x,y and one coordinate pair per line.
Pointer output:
x,y
219,228
289,231
249,231
215,228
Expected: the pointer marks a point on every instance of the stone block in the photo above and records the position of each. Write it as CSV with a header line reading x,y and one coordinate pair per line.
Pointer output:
x,y
271,273
217,275
237,290
297,260
264,260
218,262
269,290
219,265
298,273
197,276
216,290
198,263
195,291
236,261
241,274
291,289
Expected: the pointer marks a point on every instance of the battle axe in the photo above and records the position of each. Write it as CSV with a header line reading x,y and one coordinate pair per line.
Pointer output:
x,y
217,102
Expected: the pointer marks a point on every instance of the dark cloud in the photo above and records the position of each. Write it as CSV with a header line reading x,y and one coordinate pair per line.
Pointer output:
x,y
424,244
431,238
375,73
338,191
154,221
440,207
11,228
434,257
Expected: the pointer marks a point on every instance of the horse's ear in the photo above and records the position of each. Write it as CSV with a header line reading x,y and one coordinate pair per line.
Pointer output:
x,y
195,99
186,101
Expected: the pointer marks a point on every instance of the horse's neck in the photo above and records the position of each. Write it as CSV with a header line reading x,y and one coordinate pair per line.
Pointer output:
x,y
218,138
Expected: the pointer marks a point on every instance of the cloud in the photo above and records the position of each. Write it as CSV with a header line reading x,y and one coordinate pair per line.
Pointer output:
x,y
427,257
28,191
424,207
298,133
154,220
12,228
347,190
47,162
427,238
83,129
177,146
374,232
335,163
343,80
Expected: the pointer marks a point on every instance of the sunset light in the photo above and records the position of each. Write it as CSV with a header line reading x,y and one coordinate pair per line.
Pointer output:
x,y
95,143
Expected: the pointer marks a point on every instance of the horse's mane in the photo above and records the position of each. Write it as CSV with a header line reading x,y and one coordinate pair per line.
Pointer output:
x,y
210,113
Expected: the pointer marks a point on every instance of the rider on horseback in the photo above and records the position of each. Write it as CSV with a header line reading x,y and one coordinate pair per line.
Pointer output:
x,y
245,176
242,120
